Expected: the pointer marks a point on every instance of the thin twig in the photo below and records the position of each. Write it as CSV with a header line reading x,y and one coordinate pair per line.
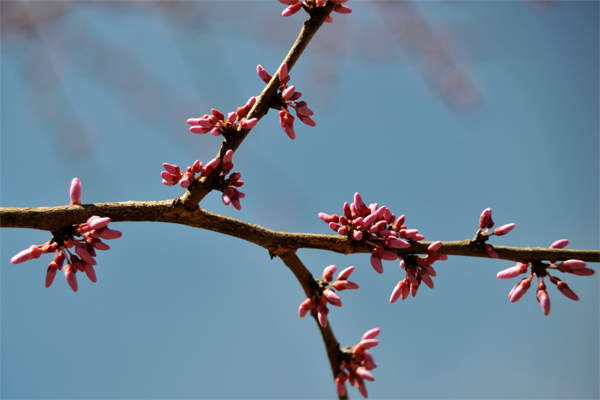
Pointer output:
x,y
197,192
332,347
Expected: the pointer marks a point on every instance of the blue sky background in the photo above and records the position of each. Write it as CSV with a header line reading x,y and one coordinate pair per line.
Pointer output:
x,y
434,109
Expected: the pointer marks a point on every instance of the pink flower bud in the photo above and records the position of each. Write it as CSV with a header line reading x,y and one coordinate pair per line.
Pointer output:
x,y
307,120
504,229
197,167
288,92
345,274
376,263
491,251
426,279
248,123
99,223
364,374
582,272
71,278
397,291
332,297
50,274
574,264
291,10
304,111
328,218
32,252
485,220
371,333
334,226
342,9
513,272
396,243
109,234
305,306
75,192
322,315
519,289
566,290
328,273
263,74
211,166
543,299
360,384
217,114
85,255
344,285
172,168
283,70
90,272
365,345
357,235
339,383
559,244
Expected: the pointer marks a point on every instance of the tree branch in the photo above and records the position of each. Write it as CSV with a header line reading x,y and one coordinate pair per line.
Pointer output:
x,y
306,279
278,243
197,192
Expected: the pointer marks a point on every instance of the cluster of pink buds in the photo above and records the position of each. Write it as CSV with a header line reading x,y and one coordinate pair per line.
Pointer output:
x,y
357,361
311,5
90,233
216,124
485,224
326,294
381,231
231,195
418,269
287,98
575,267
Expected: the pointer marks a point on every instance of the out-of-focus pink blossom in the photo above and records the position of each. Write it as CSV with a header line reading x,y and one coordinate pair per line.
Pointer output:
x,y
311,5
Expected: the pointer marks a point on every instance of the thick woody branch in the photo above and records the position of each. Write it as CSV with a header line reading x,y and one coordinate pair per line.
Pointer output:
x,y
197,192
278,243
306,280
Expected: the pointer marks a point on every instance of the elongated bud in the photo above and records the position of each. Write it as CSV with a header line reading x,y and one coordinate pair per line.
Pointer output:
x,y
344,285
345,274
513,272
485,220
71,278
332,298
328,218
574,264
328,272
491,251
504,229
75,192
559,244
371,333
